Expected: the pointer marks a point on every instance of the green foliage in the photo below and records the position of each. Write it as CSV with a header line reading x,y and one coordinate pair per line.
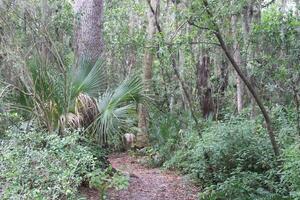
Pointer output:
x,y
166,132
291,170
232,159
37,165
102,180
87,78
285,124
278,67
48,97
244,186
117,109
223,148
7,120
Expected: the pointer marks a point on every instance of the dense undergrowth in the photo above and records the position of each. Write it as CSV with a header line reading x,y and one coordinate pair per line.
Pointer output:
x,y
232,158
38,165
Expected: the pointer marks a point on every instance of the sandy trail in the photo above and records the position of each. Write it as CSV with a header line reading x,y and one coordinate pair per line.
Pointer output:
x,y
149,183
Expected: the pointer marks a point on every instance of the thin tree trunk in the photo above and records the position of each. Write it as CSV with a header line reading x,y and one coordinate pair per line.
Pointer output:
x,y
219,36
184,88
237,57
142,139
181,74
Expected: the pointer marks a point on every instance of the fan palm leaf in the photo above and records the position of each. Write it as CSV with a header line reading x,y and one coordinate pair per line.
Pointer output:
x,y
88,78
117,109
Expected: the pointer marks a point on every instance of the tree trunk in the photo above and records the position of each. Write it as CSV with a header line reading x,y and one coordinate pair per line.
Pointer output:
x,y
181,74
223,75
237,58
204,90
254,52
142,139
88,29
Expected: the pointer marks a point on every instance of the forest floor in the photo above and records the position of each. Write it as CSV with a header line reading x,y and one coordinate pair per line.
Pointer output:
x,y
147,183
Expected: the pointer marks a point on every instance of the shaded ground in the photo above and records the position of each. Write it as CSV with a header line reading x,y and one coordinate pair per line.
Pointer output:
x,y
150,184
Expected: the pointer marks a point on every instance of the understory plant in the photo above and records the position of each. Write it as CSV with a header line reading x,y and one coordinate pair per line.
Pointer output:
x,y
230,159
77,97
39,165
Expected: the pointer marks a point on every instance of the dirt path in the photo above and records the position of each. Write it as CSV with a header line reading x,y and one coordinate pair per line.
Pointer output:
x,y
150,184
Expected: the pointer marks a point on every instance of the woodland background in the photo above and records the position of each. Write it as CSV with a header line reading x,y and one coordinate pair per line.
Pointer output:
x,y
210,88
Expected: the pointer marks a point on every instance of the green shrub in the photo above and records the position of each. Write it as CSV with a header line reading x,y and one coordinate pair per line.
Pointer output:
x,y
285,124
166,135
230,160
223,148
291,170
38,165
245,186
102,180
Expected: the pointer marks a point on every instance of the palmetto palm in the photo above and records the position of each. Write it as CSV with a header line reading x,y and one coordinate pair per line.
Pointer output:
x,y
117,109
81,98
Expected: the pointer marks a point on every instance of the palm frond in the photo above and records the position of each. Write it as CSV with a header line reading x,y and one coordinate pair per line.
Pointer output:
x,y
89,78
117,109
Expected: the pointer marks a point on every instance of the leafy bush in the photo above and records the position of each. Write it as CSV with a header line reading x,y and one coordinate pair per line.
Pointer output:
x,y
230,160
291,172
222,148
38,165
102,180
285,119
245,186
166,133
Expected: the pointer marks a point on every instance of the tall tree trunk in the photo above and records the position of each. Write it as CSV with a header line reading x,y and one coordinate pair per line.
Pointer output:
x,y
237,58
142,139
254,51
181,73
223,72
88,29
179,55
88,34
248,48
204,90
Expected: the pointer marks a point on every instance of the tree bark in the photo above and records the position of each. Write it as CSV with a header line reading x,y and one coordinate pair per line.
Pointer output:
x,y
142,138
88,29
237,58
204,90
219,36
223,75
